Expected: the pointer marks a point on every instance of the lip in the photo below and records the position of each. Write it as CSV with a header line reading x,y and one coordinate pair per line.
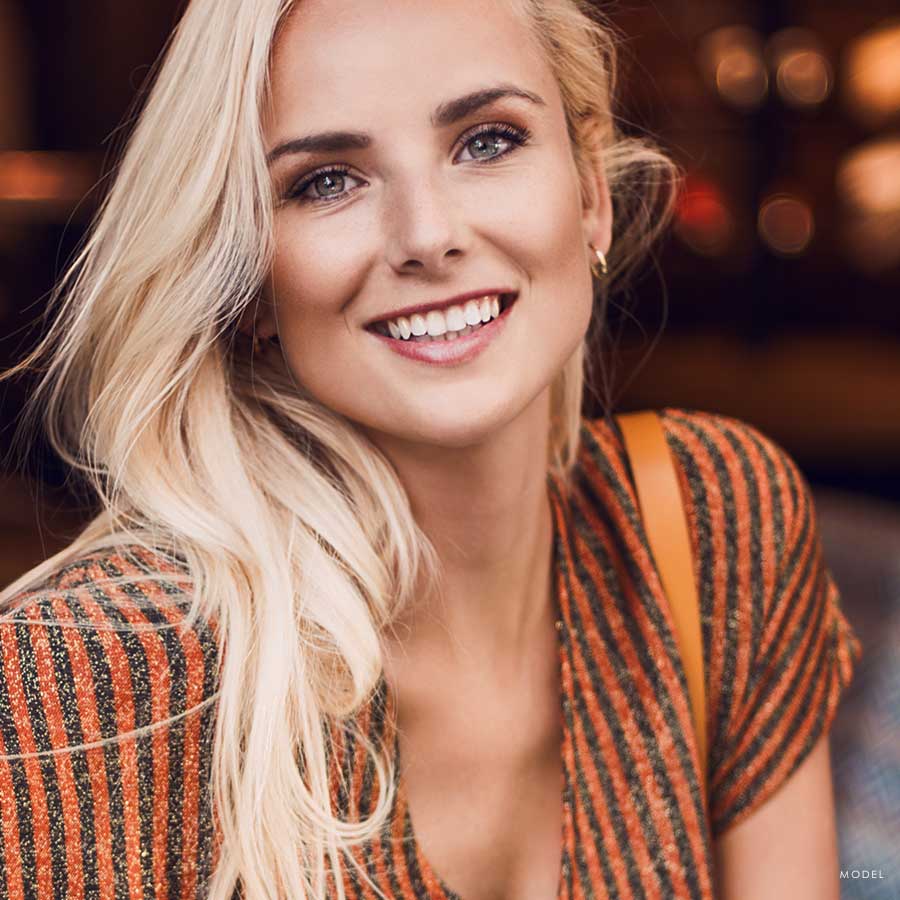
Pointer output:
x,y
450,353
422,308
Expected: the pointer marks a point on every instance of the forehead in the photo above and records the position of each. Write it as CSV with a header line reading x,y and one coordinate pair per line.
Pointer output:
x,y
340,60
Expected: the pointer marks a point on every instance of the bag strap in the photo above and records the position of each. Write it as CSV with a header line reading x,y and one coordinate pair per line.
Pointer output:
x,y
662,509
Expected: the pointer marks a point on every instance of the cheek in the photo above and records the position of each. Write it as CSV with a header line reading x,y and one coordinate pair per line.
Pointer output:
x,y
314,272
306,280
308,286
554,230
549,243
317,269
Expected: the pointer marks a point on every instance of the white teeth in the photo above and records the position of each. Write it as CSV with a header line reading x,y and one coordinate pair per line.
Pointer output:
x,y
448,324
436,323
456,318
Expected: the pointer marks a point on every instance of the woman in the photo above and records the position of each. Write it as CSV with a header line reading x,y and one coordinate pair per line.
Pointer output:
x,y
322,362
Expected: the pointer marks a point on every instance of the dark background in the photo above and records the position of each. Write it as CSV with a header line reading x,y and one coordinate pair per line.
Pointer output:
x,y
775,298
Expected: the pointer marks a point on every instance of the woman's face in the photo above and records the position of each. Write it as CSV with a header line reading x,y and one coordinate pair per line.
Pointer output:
x,y
425,180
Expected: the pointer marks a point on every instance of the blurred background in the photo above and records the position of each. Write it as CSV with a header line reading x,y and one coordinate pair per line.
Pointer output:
x,y
776,297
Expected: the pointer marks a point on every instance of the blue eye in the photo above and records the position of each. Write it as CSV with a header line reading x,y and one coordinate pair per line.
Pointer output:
x,y
491,142
323,185
487,144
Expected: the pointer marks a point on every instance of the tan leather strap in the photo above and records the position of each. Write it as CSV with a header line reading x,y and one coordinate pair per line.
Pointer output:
x,y
665,522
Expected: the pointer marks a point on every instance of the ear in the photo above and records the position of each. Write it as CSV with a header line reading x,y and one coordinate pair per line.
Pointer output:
x,y
597,205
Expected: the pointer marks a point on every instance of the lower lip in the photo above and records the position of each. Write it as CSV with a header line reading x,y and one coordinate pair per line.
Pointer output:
x,y
449,353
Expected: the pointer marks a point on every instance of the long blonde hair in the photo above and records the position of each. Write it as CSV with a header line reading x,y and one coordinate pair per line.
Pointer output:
x,y
279,509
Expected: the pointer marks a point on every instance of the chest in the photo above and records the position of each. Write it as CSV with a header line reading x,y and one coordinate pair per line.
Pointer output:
x,y
578,781
482,778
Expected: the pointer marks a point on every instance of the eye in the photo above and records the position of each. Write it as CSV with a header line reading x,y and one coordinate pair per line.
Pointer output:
x,y
491,142
485,144
323,185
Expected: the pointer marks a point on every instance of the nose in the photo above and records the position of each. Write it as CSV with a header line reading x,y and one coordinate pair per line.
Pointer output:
x,y
424,228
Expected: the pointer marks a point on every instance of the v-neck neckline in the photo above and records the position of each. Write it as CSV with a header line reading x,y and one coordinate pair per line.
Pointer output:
x,y
435,886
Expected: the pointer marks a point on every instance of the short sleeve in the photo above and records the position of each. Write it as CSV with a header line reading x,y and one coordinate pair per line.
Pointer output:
x,y
779,651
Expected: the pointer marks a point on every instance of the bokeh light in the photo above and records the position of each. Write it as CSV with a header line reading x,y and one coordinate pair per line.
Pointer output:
x,y
43,180
703,220
868,185
871,74
786,224
803,74
732,59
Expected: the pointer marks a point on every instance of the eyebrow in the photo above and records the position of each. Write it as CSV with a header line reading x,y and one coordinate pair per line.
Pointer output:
x,y
447,113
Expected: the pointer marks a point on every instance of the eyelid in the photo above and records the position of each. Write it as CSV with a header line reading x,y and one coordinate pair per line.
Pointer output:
x,y
516,134
482,127
303,182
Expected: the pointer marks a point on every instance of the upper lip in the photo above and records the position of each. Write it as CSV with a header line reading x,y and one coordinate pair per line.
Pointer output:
x,y
423,308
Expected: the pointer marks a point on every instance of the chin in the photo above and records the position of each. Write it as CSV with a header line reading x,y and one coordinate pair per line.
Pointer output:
x,y
455,426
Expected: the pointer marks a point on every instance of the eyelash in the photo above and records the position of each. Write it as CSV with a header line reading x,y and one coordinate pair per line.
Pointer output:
x,y
517,137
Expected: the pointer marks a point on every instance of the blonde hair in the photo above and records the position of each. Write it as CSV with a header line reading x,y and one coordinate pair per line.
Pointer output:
x,y
280,510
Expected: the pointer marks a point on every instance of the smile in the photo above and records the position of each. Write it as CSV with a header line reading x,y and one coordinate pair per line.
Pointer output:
x,y
452,335
448,324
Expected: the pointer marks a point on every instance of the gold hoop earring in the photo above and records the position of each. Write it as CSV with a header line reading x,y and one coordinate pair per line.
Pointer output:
x,y
600,267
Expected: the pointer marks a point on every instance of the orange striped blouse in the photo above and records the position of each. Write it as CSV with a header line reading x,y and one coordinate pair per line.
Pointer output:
x,y
132,819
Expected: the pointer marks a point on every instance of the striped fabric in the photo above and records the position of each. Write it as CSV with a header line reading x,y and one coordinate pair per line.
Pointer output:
x,y
132,819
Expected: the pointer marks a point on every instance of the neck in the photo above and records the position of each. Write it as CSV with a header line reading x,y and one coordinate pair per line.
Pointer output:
x,y
487,512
